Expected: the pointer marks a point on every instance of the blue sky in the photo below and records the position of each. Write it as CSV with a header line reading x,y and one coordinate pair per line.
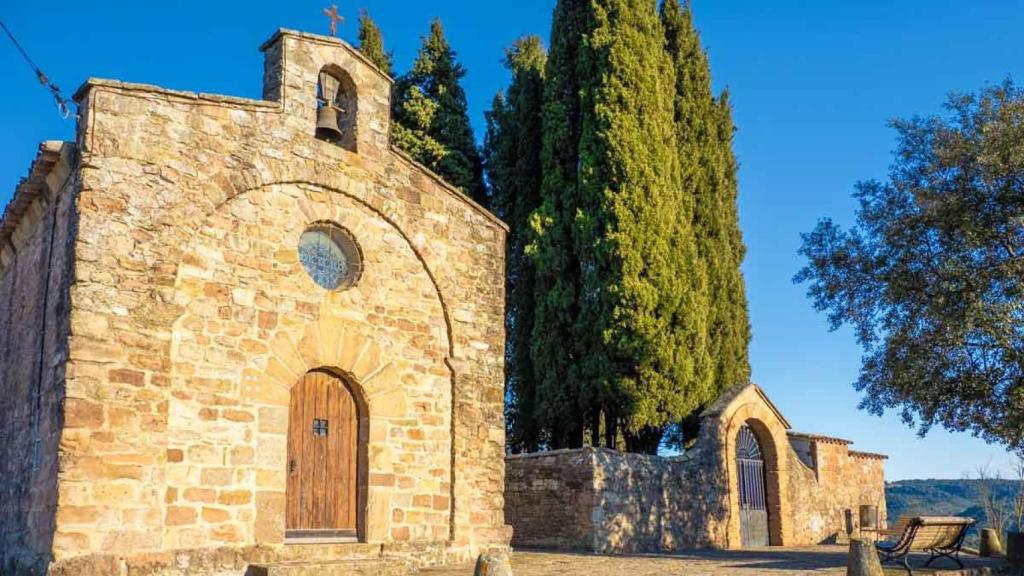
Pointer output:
x,y
812,83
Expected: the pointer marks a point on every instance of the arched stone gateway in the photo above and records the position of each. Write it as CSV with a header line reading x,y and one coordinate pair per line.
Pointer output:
x,y
749,409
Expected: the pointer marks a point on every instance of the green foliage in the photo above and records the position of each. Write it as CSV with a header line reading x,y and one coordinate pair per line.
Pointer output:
x,y
633,230
413,135
430,118
730,323
636,241
717,307
931,275
512,161
560,408
371,43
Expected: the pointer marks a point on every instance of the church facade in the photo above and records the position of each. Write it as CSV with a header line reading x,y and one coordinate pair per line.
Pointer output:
x,y
243,333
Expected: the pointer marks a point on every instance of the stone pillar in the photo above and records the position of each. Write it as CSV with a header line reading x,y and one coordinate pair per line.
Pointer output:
x,y
863,559
493,564
990,545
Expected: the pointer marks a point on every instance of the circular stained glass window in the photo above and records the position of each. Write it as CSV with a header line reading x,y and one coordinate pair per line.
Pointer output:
x,y
330,256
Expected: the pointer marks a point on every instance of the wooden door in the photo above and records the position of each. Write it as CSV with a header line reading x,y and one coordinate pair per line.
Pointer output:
x,y
753,499
322,458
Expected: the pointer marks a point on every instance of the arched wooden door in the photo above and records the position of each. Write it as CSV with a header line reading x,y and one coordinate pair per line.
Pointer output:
x,y
753,498
323,442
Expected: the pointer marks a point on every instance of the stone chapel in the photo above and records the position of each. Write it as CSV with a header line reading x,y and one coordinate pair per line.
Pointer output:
x,y
244,334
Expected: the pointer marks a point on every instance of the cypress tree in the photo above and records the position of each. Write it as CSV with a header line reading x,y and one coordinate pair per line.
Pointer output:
x,y
695,136
430,116
498,159
708,175
512,161
732,356
553,346
640,309
371,43
644,310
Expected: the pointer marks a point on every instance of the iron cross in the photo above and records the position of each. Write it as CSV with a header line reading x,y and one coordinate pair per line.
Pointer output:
x,y
335,18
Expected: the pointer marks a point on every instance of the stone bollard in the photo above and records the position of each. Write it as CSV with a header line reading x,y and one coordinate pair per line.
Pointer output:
x,y
990,545
493,564
1015,548
863,559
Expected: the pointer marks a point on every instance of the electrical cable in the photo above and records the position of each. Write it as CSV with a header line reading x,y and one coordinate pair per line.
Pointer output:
x,y
62,104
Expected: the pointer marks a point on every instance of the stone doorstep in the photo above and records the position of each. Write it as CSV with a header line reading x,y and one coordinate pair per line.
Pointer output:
x,y
304,550
361,567
292,541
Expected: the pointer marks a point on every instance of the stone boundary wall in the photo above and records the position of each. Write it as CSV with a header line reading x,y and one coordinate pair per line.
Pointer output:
x,y
549,498
602,500
605,501
826,499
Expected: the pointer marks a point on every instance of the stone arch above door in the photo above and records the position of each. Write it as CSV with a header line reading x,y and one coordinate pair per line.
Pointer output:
x,y
748,406
330,345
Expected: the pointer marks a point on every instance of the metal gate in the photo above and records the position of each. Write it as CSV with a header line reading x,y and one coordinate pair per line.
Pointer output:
x,y
753,501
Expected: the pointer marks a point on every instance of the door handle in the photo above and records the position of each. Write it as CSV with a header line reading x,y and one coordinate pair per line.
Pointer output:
x,y
291,467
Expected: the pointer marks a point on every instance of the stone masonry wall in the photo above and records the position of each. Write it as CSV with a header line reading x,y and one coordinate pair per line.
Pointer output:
x,y
602,500
606,501
193,319
34,281
826,499
549,498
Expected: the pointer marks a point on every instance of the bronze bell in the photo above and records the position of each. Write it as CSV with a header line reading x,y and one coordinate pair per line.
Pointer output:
x,y
327,123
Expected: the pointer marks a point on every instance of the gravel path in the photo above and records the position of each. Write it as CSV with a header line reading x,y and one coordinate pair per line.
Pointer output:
x,y
830,560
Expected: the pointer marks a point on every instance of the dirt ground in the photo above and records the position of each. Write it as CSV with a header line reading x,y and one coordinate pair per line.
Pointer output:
x,y
830,560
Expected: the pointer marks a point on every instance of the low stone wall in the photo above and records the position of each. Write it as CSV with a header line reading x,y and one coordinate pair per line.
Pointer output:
x,y
550,497
606,501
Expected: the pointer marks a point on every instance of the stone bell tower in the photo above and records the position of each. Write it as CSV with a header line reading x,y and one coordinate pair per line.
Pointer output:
x,y
329,89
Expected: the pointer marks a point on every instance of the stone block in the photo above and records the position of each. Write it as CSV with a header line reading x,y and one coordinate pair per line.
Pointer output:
x,y
180,516
80,413
242,455
269,524
273,419
215,515
493,564
234,497
126,376
207,495
68,515
113,493
216,476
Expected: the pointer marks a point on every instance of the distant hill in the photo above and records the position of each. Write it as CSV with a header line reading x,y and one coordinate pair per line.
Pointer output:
x,y
942,498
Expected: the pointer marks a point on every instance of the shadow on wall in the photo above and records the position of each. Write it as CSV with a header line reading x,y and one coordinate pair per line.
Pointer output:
x,y
35,280
601,500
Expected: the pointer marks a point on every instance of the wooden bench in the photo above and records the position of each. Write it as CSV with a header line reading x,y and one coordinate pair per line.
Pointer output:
x,y
940,536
